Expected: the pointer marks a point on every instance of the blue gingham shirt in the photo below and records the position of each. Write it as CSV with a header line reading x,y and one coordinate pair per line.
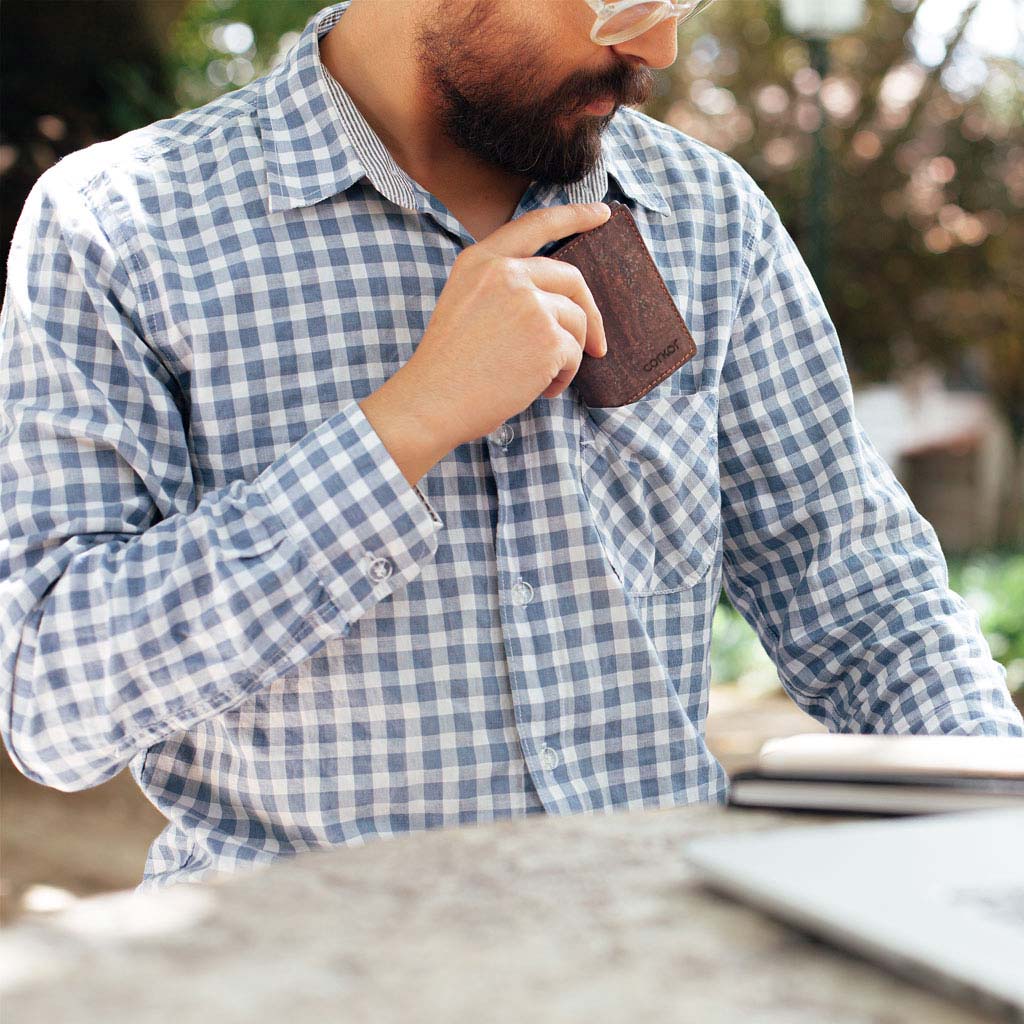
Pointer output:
x,y
214,572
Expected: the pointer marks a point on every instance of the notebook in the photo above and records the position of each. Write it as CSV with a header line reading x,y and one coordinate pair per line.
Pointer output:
x,y
868,774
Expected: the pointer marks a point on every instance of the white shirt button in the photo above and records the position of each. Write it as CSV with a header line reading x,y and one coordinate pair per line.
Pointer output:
x,y
379,569
522,592
549,759
503,435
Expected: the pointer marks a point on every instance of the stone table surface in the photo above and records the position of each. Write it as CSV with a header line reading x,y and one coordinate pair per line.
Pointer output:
x,y
543,920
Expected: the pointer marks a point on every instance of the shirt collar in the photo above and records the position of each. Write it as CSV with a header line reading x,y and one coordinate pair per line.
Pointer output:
x,y
317,143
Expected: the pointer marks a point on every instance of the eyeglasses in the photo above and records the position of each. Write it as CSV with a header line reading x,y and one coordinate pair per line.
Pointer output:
x,y
620,20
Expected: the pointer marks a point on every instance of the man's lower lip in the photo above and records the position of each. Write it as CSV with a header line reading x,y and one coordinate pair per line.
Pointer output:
x,y
600,107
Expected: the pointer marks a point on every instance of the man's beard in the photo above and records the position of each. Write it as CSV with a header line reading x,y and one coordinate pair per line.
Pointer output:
x,y
485,109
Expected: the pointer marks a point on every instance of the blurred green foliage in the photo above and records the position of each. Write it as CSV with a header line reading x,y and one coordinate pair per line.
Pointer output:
x,y
994,586
991,583
737,657
219,45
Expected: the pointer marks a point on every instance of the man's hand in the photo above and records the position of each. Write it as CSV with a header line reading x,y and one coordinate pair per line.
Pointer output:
x,y
507,327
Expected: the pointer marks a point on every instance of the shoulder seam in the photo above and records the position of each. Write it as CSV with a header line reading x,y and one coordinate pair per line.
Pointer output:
x,y
748,251
157,148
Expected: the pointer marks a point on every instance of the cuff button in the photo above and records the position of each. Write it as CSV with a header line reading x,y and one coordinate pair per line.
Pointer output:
x,y
379,569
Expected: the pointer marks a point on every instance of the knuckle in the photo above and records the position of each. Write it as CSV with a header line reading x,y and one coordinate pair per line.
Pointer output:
x,y
504,269
545,317
466,256
572,276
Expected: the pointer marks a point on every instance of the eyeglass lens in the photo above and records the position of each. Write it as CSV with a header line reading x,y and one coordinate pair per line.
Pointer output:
x,y
640,17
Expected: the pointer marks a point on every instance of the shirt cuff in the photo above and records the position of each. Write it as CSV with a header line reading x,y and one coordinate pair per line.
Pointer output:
x,y
344,501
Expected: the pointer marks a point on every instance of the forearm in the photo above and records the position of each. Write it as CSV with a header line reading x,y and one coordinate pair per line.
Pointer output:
x,y
132,604
402,415
869,637
109,647
825,554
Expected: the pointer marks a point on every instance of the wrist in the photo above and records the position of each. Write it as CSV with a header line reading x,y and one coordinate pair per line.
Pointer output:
x,y
408,425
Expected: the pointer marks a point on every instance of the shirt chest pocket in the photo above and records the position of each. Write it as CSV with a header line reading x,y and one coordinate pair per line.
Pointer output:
x,y
650,478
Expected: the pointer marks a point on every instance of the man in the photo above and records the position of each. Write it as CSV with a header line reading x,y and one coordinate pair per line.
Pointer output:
x,y
303,521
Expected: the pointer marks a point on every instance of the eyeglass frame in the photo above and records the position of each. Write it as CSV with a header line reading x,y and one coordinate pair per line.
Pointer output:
x,y
607,9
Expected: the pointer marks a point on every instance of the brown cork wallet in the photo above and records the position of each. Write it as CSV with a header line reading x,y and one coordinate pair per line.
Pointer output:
x,y
647,337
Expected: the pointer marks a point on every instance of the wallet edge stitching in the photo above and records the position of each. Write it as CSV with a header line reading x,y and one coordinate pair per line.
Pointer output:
x,y
691,350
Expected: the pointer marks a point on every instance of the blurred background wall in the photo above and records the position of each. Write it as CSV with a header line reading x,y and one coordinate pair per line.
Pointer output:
x,y
887,132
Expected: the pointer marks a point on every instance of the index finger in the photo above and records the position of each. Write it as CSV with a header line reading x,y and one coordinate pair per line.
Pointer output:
x,y
552,275
526,234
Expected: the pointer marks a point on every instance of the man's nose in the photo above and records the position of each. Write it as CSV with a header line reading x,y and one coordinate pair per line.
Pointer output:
x,y
657,47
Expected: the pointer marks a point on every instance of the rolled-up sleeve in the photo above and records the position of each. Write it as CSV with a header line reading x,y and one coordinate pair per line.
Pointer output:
x,y
824,553
131,605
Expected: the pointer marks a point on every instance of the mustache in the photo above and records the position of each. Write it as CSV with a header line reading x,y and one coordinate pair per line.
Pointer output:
x,y
632,86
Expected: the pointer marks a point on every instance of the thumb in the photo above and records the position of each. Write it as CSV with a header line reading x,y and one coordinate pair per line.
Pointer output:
x,y
523,236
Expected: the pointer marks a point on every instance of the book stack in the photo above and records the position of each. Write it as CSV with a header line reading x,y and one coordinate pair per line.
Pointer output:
x,y
869,774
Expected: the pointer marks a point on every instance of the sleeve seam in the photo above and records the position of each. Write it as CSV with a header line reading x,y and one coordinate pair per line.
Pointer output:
x,y
221,702
747,264
118,241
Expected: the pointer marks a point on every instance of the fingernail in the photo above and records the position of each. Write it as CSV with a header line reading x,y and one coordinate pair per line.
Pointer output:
x,y
601,208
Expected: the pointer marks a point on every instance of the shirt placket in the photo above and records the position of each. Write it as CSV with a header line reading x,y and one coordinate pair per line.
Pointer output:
x,y
529,618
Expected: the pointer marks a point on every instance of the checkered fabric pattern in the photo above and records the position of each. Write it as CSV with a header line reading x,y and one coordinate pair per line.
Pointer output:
x,y
214,573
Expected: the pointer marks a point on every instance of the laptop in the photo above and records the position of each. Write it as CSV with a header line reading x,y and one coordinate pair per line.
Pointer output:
x,y
938,899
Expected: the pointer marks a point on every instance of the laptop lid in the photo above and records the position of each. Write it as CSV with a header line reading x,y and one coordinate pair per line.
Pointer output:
x,y
938,899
